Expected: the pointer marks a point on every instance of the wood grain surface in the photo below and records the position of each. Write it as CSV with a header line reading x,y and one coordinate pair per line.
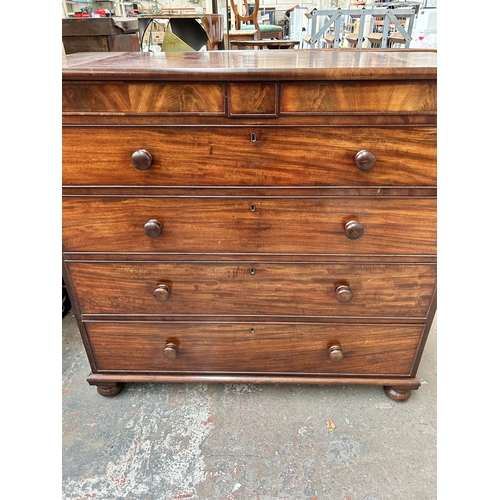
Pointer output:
x,y
240,348
288,289
302,226
227,156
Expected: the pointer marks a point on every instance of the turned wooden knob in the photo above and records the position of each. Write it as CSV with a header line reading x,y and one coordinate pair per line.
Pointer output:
x,y
142,159
343,293
335,353
170,351
153,228
365,160
354,230
162,293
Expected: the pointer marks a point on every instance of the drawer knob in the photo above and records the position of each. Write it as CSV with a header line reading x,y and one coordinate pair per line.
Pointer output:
x,y
354,230
365,160
142,159
343,293
153,228
335,353
170,351
162,293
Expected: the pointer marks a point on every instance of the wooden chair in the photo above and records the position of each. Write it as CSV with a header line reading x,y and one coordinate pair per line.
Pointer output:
x,y
249,22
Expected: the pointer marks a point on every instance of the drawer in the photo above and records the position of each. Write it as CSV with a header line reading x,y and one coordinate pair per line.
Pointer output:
x,y
280,289
356,226
244,348
249,156
359,97
183,98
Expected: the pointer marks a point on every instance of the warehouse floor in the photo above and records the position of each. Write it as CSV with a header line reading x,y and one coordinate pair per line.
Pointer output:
x,y
228,442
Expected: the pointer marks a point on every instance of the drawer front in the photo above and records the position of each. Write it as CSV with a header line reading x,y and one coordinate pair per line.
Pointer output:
x,y
284,289
354,226
359,97
140,98
249,156
244,348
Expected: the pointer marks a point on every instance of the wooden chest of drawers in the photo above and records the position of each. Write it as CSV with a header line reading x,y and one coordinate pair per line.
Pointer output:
x,y
251,216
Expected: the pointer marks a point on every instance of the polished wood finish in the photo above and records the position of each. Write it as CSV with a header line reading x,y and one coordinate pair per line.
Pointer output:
x,y
231,156
248,216
292,348
243,225
285,289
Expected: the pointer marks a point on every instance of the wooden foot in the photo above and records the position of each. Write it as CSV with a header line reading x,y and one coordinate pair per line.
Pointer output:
x,y
397,393
109,389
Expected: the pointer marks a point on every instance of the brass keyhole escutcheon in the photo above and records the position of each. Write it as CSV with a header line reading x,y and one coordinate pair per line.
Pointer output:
x,y
252,271
252,207
253,137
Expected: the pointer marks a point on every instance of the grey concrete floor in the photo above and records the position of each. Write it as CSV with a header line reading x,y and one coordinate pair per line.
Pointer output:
x,y
232,442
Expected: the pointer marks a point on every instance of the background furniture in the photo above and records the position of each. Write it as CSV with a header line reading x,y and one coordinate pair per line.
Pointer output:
x,y
251,217
100,34
186,32
249,21
264,44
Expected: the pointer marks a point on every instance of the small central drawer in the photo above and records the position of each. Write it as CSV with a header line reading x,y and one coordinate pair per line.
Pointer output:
x,y
281,289
249,156
253,348
356,226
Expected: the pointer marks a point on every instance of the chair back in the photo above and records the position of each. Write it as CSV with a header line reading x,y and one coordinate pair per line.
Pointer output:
x,y
246,18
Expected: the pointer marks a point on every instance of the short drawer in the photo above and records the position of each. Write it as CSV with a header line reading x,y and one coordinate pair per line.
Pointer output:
x,y
182,98
252,348
271,289
359,97
249,156
356,226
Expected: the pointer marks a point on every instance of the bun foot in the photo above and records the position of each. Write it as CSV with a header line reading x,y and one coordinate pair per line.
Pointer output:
x,y
397,393
109,389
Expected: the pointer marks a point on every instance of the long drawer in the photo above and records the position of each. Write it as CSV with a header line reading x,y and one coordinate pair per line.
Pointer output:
x,y
262,347
249,156
281,289
356,226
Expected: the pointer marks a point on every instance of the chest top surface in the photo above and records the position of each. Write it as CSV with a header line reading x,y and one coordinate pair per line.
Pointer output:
x,y
252,65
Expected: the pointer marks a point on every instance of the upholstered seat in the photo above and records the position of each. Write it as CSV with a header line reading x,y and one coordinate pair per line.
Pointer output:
x,y
265,29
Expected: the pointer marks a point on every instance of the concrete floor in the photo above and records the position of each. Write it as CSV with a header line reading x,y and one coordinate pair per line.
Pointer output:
x,y
232,442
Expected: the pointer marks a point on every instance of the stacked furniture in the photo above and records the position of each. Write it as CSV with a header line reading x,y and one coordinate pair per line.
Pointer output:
x,y
251,216
100,34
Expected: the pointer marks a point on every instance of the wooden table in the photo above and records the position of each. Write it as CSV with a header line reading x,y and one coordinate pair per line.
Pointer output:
x,y
264,44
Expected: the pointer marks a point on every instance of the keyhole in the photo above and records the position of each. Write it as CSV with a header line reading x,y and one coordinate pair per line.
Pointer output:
x,y
252,207
253,137
251,271
252,330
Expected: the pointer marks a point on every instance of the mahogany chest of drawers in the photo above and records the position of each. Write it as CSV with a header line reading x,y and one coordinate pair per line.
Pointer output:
x,y
251,216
